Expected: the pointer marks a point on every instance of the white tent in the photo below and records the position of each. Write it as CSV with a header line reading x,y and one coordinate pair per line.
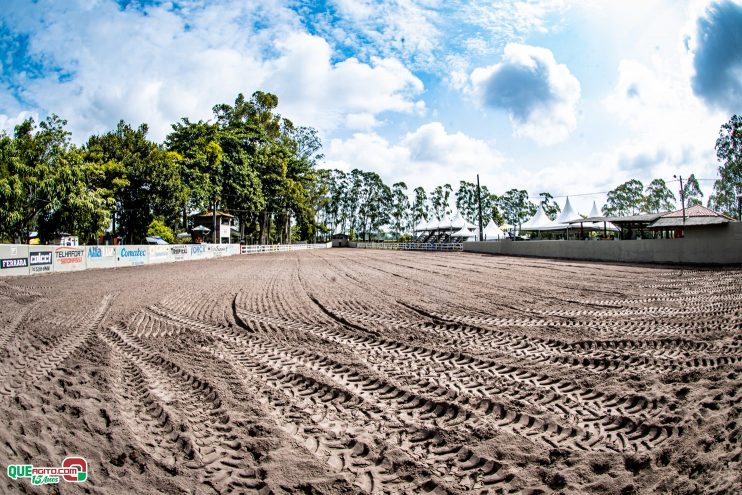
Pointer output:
x,y
492,232
464,232
539,221
594,212
458,222
432,225
421,227
445,223
566,215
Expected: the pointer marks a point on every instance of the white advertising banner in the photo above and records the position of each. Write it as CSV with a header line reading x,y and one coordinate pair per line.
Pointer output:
x,y
179,252
198,251
101,256
69,258
131,255
159,254
41,259
219,250
13,260
21,259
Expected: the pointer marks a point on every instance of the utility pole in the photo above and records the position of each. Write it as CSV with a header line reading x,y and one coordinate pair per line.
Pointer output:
x,y
213,216
682,201
739,202
479,208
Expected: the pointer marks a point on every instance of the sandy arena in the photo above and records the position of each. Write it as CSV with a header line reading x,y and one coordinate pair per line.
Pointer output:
x,y
346,371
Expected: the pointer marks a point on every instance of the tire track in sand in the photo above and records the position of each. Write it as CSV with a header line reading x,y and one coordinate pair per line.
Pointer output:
x,y
36,361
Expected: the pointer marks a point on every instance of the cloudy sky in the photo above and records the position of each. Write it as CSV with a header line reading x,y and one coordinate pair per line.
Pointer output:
x,y
569,97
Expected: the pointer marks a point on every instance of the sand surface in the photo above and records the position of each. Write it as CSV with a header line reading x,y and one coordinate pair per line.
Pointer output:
x,y
347,371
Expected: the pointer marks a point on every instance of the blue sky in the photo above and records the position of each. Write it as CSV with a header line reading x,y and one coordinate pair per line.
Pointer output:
x,y
569,97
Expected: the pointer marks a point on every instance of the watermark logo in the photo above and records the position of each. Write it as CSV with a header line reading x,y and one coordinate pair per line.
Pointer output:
x,y
73,470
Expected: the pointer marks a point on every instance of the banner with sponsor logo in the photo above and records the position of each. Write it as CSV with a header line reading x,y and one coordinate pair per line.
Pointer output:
x,y
41,259
198,251
179,252
13,260
159,254
101,256
69,258
20,259
219,250
131,255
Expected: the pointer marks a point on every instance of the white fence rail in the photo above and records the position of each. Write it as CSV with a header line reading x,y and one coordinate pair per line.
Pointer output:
x,y
282,248
410,246
22,259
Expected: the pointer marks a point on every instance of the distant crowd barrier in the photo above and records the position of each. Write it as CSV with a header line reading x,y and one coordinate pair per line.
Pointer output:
x,y
282,248
710,246
409,246
22,259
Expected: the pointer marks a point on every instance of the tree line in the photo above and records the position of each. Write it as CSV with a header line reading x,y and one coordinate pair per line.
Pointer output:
x,y
257,165
248,160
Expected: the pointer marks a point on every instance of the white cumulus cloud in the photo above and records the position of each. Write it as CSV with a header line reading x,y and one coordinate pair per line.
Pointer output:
x,y
168,64
428,156
539,95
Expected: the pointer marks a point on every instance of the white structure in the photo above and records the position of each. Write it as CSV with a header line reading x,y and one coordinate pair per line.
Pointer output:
x,y
492,232
539,221
463,233
421,227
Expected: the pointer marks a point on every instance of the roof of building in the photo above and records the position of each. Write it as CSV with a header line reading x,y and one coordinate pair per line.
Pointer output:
x,y
644,218
695,216
672,222
210,213
695,211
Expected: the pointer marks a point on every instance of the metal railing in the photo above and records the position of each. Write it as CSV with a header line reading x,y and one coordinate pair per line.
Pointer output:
x,y
411,246
281,248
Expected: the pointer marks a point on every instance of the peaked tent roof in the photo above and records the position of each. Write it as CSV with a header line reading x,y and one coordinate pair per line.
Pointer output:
x,y
445,223
492,231
567,214
432,225
539,221
458,222
464,232
594,212
421,227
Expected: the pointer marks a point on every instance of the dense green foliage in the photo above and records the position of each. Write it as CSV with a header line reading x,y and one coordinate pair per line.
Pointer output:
x,y
729,154
257,165
250,161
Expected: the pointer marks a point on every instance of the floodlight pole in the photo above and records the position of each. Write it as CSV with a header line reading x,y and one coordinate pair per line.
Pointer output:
x,y
739,202
479,208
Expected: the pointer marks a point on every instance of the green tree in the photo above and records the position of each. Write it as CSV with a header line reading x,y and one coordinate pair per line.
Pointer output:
x,y
658,198
400,208
419,206
729,154
466,200
283,157
46,184
515,206
152,185
439,200
624,200
551,208
158,228
692,192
